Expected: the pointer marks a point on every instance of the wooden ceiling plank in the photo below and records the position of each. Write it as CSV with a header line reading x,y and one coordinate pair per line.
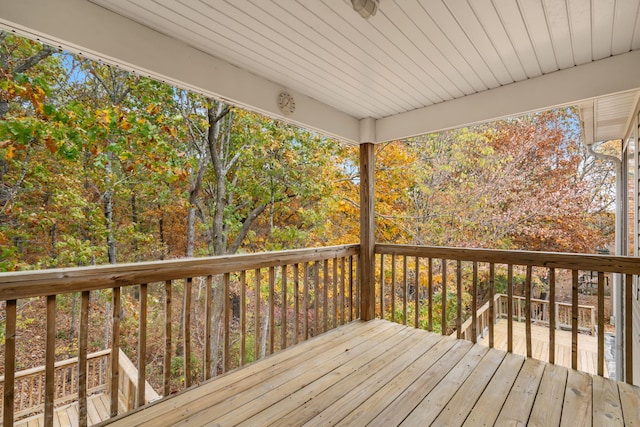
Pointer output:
x,y
558,21
469,37
538,29
516,29
490,20
579,12
602,21
366,34
294,35
409,37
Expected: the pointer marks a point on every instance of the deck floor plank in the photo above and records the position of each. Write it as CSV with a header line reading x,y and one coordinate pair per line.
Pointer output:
x,y
488,406
458,408
607,410
380,373
270,408
429,408
547,408
362,405
577,407
350,392
396,412
184,404
630,403
517,407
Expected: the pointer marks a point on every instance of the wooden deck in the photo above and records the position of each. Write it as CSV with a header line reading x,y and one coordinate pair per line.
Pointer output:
x,y
381,373
587,345
65,416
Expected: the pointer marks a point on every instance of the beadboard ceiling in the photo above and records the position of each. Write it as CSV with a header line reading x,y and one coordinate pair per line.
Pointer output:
x,y
411,54
409,65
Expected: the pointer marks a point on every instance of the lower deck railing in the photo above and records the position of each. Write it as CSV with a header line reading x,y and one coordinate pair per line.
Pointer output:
x,y
455,291
250,306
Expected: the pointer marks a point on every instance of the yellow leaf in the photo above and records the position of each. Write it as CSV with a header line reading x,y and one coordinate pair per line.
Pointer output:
x,y
11,151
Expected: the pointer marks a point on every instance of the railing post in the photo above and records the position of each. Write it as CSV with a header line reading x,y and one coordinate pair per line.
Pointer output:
x,y
367,231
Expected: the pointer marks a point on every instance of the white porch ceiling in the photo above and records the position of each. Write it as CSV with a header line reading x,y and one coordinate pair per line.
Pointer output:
x,y
416,66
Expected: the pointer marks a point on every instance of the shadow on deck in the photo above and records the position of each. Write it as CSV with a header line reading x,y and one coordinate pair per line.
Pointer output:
x,y
387,374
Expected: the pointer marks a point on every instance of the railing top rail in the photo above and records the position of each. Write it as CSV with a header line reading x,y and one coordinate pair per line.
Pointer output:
x,y
60,364
604,263
27,284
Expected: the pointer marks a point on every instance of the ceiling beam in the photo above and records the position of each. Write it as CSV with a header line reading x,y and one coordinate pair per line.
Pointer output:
x,y
566,87
82,27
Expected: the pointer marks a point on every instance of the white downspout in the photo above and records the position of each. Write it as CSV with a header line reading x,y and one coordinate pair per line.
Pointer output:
x,y
620,249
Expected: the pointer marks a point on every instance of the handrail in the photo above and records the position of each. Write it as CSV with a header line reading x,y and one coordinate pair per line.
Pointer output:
x,y
603,263
27,284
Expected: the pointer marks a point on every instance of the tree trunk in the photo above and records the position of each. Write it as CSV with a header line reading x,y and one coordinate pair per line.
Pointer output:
x,y
108,213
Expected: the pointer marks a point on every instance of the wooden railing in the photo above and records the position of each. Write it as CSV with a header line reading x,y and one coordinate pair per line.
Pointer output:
x,y
410,281
29,383
482,320
128,385
540,313
284,298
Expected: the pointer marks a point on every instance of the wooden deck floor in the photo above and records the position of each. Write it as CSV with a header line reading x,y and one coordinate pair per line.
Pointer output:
x,y
380,373
587,345
65,416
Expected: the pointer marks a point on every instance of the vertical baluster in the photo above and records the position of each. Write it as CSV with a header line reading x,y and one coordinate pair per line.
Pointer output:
x,y
510,308
335,292
50,358
474,304
115,351
316,297
256,332
430,294
325,295
628,329
382,286
351,304
459,299
226,317
552,315
167,339
9,363
271,325
600,323
444,297
142,346
574,319
343,292
208,333
358,290
527,309
283,329
492,277
305,300
186,333
405,285
243,316
416,295
393,287
296,303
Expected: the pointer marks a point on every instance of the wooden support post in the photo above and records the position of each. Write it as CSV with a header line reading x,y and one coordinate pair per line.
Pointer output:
x,y
367,232
208,333
628,329
115,351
